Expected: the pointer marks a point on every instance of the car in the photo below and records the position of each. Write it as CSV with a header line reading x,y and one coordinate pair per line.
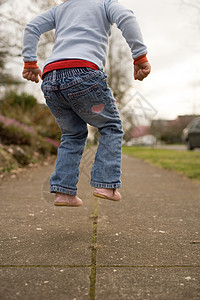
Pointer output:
x,y
191,134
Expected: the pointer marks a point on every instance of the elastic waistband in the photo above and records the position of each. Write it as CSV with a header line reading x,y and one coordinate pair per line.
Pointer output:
x,y
69,64
57,74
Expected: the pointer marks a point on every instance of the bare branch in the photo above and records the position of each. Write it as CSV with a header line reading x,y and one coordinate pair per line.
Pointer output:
x,y
119,67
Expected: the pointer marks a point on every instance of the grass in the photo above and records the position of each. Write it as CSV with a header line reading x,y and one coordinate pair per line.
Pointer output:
x,y
186,163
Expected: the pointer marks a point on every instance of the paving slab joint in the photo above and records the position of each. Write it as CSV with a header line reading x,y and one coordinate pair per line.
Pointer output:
x,y
93,248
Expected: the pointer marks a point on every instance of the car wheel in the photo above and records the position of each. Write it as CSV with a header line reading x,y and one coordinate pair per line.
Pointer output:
x,y
189,146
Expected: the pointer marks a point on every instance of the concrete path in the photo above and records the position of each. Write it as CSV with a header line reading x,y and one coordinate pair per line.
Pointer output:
x,y
144,247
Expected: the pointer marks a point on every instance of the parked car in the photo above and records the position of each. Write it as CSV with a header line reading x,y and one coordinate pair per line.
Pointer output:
x,y
191,134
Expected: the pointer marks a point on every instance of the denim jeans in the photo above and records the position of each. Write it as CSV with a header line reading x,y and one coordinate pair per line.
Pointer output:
x,y
77,97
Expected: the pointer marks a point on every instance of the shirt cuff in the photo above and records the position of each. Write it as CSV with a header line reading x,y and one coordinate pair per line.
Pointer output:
x,y
141,59
30,65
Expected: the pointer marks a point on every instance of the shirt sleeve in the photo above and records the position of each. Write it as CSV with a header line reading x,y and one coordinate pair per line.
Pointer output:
x,y
33,30
126,21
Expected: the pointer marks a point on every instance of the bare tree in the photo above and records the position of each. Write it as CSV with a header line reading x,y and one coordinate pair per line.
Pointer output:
x,y
13,23
5,52
120,73
119,67
14,16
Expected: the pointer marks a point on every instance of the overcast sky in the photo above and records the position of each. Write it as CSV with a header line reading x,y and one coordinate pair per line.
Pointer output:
x,y
171,34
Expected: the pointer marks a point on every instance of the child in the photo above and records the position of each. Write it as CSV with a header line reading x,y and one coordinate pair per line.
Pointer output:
x,y
76,90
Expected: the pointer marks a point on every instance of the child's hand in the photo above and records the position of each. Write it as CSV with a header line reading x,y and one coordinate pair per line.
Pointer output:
x,y
141,71
32,74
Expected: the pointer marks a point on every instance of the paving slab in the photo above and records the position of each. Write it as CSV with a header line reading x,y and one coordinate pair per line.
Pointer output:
x,y
155,222
45,250
34,231
147,283
140,248
44,283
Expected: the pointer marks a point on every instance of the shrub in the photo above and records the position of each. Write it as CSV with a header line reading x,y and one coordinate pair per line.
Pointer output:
x,y
24,100
7,162
25,109
14,135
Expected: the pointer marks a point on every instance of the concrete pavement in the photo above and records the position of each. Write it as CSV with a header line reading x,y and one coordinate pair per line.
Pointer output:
x,y
144,247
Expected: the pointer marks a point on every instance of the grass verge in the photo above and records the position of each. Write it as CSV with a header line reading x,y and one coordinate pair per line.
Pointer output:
x,y
186,163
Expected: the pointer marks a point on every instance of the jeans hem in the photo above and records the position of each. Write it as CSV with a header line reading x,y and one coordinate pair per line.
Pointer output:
x,y
105,185
54,189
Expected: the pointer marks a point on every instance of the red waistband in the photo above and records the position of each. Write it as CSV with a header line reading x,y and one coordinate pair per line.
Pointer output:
x,y
69,63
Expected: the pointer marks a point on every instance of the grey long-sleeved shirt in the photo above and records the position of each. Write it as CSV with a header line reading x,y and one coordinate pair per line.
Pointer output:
x,y
82,28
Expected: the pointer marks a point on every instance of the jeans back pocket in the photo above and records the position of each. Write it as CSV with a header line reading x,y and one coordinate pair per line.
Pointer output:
x,y
83,99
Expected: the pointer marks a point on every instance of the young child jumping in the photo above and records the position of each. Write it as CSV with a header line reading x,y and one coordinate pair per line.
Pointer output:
x,y
76,91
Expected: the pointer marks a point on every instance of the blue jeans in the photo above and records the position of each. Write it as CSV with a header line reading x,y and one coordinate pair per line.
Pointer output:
x,y
77,97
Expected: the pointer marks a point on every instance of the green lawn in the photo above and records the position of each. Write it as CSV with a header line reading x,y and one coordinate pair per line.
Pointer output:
x,y
184,162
